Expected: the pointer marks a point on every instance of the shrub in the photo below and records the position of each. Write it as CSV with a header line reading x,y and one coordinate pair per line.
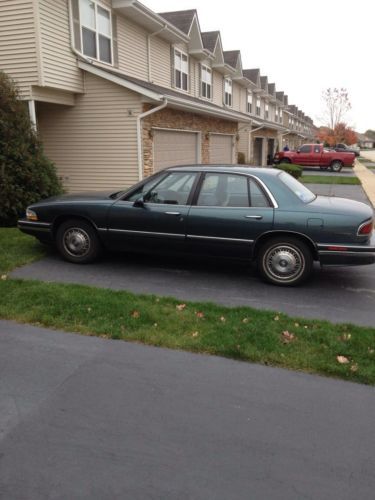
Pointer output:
x,y
291,168
26,175
241,158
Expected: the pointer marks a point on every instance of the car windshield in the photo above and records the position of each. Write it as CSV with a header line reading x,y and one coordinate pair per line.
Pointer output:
x,y
298,189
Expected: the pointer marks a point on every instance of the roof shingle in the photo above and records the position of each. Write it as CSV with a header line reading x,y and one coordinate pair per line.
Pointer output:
x,y
182,19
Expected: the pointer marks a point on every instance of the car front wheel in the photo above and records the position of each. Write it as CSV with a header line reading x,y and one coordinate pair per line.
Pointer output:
x,y
285,261
77,241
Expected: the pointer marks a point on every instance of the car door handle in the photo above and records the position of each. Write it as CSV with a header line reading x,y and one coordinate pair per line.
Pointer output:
x,y
173,213
257,217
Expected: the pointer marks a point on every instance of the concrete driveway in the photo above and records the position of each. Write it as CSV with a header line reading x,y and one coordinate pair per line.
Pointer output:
x,y
86,418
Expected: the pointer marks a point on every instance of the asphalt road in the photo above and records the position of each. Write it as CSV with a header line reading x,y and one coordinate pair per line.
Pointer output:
x,y
87,418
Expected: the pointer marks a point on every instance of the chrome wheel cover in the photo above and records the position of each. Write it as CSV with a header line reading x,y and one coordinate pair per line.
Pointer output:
x,y
336,166
284,263
76,242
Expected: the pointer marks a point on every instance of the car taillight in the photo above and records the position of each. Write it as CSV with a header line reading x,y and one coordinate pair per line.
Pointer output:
x,y
366,228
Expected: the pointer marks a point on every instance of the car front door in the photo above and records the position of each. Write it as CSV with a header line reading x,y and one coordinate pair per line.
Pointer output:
x,y
228,214
153,218
304,156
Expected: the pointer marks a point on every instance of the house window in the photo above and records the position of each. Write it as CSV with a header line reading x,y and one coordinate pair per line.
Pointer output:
x,y
206,82
181,70
280,115
228,92
96,32
266,111
258,107
249,102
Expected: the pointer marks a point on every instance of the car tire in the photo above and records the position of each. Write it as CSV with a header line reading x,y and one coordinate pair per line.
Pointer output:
x,y
285,261
336,166
77,241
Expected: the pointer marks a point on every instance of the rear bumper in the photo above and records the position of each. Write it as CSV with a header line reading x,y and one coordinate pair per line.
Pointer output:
x,y
41,230
347,255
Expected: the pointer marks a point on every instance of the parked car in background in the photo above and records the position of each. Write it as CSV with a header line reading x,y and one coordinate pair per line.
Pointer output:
x,y
346,149
257,214
315,155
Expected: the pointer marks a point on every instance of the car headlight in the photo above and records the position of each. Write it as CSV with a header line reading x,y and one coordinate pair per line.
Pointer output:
x,y
31,215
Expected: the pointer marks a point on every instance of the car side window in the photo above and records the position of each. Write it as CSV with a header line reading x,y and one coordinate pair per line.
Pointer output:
x,y
174,189
316,149
305,149
257,196
224,190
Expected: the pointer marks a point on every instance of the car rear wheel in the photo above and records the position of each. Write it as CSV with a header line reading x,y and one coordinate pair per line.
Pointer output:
x,y
336,166
285,261
77,241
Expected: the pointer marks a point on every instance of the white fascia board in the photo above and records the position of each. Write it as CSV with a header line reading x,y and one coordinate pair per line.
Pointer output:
x,y
90,68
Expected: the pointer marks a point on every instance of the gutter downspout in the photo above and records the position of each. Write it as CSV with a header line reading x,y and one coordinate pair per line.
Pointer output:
x,y
149,50
139,134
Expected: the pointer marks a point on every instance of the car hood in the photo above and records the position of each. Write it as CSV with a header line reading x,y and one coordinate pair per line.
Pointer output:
x,y
85,196
341,206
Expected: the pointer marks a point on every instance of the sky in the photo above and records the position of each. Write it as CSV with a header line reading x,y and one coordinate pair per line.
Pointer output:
x,y
303,47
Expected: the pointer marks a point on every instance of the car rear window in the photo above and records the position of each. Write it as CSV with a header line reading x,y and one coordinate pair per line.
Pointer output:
x,y
298,189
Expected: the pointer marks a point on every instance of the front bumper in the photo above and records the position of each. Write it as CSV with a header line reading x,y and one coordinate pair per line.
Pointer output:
x,y
41,230
347,255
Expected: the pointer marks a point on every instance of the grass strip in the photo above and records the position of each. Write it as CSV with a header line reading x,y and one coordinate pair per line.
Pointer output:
x,y
329,179
17,249
241,333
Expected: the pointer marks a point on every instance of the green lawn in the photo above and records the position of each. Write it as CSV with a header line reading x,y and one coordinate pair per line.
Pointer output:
x,y
242,333
329,179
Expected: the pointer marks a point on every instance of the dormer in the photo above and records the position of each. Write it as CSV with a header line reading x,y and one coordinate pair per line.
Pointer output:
x,y
152,22
187,22
272,92
233,59
253,77
219,63
285,100
280,98
264,85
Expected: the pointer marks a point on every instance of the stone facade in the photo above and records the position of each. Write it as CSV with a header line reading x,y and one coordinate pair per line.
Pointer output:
x,y
180,120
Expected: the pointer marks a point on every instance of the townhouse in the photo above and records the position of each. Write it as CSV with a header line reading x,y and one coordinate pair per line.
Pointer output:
x,y
117,91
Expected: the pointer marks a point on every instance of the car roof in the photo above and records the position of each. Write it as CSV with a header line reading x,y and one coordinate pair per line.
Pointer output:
x,y
240,169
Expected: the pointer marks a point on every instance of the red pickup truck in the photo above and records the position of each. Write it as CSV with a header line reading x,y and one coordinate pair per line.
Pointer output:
x,y
315,155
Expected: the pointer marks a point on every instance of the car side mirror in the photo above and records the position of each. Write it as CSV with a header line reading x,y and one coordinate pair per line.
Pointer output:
x,y
140,203
298,150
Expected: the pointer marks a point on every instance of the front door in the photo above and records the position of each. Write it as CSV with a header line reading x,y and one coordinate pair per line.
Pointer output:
x,y
228,214
154,217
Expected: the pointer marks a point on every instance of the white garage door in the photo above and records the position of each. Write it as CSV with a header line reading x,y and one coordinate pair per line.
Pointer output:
x,y
174,148
221,148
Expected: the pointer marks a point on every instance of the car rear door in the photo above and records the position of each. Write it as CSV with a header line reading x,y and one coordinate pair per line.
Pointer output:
x,y
229,212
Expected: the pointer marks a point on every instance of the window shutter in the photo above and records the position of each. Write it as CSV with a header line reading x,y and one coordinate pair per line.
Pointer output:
x,y
114,41
76,25
172,67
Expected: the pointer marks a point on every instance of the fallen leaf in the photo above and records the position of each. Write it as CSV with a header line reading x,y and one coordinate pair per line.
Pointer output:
x,y
181,307
195,334
276,318
287,337
157,300
245,320
4,277
89,309
199,314
354,367
155,325
222,319
371,351
135,314
305,326
345,337
296,324
343,360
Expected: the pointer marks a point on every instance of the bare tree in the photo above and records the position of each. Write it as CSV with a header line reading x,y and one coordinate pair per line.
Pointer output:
x,y
336,105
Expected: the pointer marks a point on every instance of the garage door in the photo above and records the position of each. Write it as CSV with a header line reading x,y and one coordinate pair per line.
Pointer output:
x,y
221,148
174,148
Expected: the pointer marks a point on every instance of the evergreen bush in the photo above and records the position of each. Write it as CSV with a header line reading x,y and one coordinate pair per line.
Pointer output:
x,y
26,175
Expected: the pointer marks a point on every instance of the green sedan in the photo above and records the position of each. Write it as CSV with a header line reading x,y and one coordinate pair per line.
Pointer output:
x,y
258,214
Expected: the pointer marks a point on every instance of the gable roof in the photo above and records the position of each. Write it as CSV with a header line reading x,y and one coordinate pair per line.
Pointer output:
x,y
280,96
209,39
264,83
271,88
231,57
182,19
252,75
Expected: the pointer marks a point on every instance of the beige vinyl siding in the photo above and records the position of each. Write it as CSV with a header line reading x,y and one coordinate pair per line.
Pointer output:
x,y
243,144
161,69
195,77
59,63
132,49
55,96
18,53
236,96
94,143
217,80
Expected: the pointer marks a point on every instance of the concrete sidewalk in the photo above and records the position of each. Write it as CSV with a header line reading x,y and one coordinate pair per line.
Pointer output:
x,y
367,179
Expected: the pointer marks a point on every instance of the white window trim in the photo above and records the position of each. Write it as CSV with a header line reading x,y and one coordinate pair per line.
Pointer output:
x,y
205,67
229,81
181,52
104,7
258,106
249,94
